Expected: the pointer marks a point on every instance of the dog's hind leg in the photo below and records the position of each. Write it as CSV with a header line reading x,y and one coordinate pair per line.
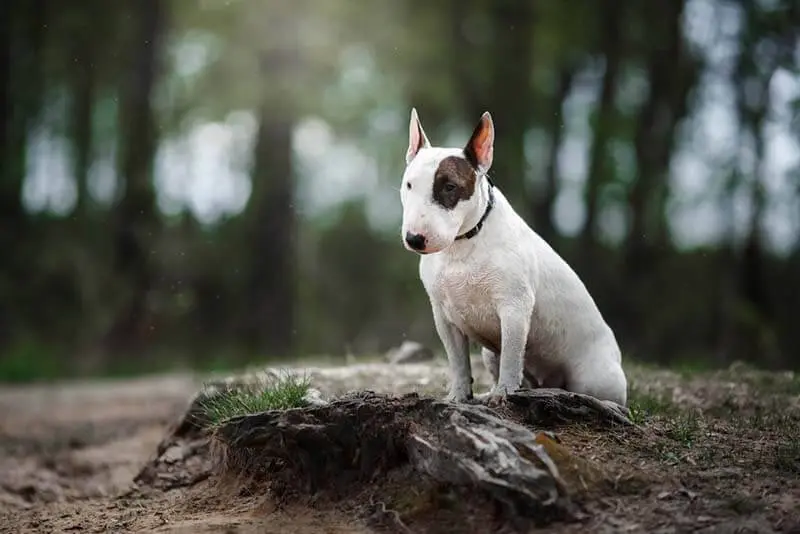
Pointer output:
x,y
604,381
529,381
491,360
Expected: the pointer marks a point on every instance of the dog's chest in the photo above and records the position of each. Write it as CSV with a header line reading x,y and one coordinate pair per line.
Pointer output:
x,y
466,294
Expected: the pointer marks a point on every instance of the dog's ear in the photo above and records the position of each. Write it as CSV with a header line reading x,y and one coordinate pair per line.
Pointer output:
x,y
480,148
416,137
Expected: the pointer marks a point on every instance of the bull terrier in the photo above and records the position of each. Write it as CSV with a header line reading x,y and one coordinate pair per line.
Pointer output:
x,y
492,280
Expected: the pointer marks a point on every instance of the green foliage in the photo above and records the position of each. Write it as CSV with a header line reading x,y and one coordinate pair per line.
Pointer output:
x,y
28,361
644,406
684,428
273,392
128,280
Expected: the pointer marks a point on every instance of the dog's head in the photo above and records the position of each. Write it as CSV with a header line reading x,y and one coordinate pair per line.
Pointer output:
x,y
438,192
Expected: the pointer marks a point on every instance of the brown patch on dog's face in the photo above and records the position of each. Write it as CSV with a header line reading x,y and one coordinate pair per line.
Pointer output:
x,y
453,182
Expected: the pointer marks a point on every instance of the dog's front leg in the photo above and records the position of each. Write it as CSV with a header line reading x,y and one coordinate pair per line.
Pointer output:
x,y
515,323
456,345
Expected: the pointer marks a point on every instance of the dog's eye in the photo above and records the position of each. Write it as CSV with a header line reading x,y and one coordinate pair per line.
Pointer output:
x,y
408,185
449,187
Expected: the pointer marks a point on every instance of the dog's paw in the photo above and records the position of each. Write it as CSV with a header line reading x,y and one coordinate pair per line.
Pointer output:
x,y
496,401
482,397
459,397
496,397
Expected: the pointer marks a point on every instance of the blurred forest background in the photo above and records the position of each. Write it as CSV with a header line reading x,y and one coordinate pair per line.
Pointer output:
x,y
214,182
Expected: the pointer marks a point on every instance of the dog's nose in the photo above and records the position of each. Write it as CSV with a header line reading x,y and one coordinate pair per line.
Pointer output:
x,y
415,241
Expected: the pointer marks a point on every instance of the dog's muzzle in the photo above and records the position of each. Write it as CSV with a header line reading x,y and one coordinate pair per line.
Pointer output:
x,y
415,242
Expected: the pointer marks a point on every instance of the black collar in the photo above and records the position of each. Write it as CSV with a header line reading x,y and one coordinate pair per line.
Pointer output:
x,y
477,228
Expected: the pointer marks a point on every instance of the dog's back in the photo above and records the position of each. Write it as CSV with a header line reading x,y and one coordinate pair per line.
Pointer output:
x,y
570,345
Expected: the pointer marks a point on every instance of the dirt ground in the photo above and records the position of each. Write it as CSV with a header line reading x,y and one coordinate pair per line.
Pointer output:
x,y
716,452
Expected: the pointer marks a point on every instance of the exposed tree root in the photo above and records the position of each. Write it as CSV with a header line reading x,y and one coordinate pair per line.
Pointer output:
x,y
360,437
362,440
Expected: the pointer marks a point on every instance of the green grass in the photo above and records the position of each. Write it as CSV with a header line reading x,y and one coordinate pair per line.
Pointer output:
x,y
679,425
274,392
644,406
684,428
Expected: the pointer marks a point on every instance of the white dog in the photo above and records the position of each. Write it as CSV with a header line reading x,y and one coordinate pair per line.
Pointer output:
x,y
493,280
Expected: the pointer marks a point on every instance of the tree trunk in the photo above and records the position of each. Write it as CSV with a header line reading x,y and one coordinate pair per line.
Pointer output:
x,y
24,30
83,87
271,285
750,328
23,33
612,13
753,289
511,97
751,280
271,229
468,78
543,207
11,179
9,197
507,95
137,222
671,74
6,102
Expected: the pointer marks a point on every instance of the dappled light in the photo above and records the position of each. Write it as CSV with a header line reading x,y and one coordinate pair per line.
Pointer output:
x,y
196,187
178,166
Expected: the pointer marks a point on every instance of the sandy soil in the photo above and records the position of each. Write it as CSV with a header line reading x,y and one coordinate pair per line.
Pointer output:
x,y
720,453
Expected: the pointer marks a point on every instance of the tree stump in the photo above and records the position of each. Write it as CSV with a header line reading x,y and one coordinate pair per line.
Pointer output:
x,y
361,437
183,456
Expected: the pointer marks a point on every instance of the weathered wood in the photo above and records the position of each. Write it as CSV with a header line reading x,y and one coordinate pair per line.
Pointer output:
x,y
183,456
468,445
556,407
353,438
363,436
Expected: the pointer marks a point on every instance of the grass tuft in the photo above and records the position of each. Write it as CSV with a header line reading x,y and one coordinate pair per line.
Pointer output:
x,y
684,428
274,392
643,406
